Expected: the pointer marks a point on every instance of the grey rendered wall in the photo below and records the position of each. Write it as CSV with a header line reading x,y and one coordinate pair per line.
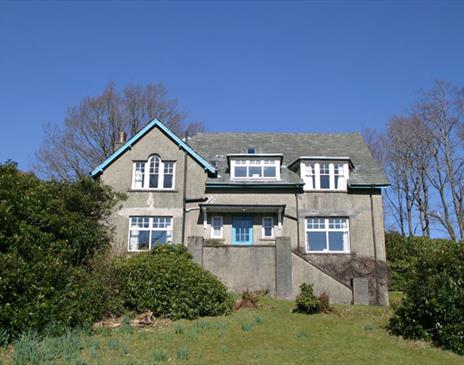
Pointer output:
x,y
156,202
355,206
303,272
242,268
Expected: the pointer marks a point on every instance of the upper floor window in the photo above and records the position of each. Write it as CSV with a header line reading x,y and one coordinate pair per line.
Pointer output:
x,y
325,175
153,174
255,169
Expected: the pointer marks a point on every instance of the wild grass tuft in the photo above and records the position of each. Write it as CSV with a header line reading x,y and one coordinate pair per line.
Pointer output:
x,y
368,327
192,334
179,330
113,344
158,356
126,327
182,353
26,349
247,327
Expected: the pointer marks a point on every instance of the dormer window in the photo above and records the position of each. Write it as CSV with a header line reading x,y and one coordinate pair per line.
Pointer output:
x,y
255,169
325,175
251,150
153,174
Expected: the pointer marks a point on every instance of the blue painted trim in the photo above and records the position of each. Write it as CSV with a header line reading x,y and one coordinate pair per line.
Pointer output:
x,y
154,123
249,221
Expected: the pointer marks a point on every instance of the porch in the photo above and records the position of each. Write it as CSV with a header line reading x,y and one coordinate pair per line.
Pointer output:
x,y
242,225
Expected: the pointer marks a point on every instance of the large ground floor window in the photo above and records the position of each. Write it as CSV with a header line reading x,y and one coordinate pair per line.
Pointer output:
x,y
327,234
147,232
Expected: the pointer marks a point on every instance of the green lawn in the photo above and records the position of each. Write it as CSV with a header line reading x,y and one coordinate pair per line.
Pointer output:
x,y
271,334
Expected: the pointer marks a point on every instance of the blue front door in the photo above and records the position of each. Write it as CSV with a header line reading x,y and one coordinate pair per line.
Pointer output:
x,y
242,231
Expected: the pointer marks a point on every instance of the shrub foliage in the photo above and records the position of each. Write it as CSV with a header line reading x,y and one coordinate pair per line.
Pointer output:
x,y
50,234
402,253
167,282
307,302
433,307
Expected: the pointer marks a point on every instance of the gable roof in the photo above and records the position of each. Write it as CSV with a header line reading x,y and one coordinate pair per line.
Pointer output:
x,y
133,140
366,172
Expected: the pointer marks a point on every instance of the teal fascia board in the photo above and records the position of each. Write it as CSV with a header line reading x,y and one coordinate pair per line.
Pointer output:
x,y
154,123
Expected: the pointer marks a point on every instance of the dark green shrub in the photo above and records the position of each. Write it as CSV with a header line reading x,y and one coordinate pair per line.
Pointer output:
x,y
433,306
402,252
306,301
170,284
452,337
50,233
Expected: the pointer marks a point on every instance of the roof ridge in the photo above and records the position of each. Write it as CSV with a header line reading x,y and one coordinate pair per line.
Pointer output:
x,y
282,133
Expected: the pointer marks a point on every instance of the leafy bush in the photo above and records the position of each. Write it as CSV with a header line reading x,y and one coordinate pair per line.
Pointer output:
x,y
50,233
306,301
433,307
402,252
167,282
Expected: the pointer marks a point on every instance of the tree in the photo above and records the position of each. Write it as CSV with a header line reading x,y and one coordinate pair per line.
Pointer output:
x,y
90,129
441,112
423,156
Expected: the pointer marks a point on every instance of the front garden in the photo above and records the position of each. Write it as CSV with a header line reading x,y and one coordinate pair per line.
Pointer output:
x,y
57,280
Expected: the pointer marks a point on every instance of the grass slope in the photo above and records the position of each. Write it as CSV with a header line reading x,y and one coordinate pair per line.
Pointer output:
x,y
268,335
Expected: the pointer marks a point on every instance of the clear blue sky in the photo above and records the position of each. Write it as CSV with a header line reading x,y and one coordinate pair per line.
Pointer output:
x,y
277,66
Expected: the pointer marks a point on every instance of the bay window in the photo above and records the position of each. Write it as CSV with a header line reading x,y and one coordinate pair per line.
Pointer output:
x,y
147,232
153,174
327,234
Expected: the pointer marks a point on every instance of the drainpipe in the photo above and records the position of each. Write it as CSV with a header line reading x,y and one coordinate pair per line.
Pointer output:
x,y
184,192
377,294
297,219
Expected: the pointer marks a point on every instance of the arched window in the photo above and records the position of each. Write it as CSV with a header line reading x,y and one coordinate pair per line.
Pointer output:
x,y
153,174
153,171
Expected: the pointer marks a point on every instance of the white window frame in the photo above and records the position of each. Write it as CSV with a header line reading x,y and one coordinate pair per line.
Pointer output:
x,y
146,177
263,230
311,174
263,162
326,229
151,229
221,233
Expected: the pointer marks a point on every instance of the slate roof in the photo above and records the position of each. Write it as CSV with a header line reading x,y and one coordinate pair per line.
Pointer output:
x,y
216,146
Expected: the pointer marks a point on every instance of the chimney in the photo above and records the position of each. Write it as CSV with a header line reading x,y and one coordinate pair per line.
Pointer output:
x,y
120,141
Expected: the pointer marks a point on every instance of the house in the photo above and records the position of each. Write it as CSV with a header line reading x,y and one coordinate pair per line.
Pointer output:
x,y
262,211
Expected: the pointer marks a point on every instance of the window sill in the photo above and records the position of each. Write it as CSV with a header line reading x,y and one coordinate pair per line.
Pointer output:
x,y
324,191
328,252
152,190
